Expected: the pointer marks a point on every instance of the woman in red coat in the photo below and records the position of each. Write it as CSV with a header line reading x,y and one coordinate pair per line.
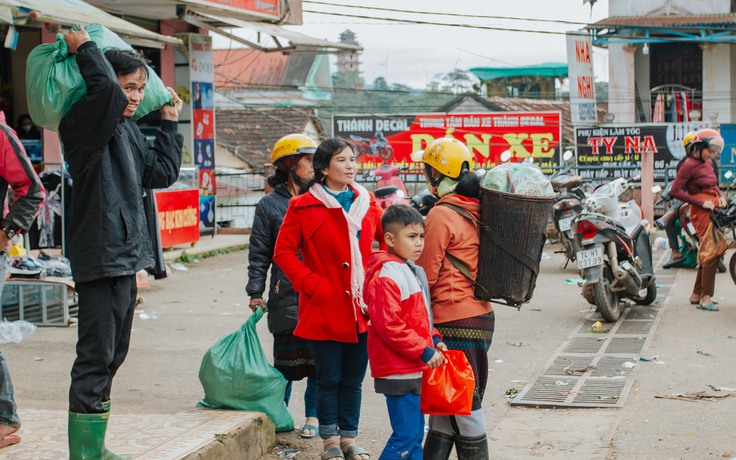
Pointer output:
x,y
333,226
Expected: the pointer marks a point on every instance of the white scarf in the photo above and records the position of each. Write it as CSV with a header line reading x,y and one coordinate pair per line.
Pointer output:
x,y
354,220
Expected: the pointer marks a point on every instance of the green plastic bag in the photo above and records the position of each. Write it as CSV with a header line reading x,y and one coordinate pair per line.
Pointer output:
x,y
236,375
54,83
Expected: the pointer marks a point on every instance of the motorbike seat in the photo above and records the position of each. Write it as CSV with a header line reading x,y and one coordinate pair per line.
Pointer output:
x,y
385,191
567,182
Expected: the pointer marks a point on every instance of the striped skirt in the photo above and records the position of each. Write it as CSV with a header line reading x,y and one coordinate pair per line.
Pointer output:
x,y
292,356
473,336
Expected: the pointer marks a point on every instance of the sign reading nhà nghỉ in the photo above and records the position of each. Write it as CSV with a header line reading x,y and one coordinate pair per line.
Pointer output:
x,y
266,8
178,216
582,81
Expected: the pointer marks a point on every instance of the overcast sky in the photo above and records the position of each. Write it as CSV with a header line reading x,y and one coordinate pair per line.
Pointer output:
x,y
413,54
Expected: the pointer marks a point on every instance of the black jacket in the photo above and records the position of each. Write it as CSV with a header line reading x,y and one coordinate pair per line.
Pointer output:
x,y
283,301
111,165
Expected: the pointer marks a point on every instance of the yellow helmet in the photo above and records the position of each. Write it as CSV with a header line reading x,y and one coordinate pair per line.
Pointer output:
x,y
448,156
689,139
292,144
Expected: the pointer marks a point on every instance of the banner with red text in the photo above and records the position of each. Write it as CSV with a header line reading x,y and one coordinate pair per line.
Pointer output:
x,y
178,216
392,138
606,152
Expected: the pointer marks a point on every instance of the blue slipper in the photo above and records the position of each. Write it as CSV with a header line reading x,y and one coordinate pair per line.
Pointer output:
x,y
306,435
709,307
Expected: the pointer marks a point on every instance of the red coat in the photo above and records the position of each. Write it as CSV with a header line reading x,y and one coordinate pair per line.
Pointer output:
x,y
320,234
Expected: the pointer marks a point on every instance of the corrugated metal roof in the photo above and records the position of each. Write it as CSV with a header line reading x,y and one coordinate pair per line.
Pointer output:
x,y
256,130
710,21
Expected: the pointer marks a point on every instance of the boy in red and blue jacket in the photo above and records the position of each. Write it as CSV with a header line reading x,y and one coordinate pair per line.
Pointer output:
x,y
401,339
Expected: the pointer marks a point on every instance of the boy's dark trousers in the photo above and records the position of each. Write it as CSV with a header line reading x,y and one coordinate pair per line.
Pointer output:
x,y
407,423
106,309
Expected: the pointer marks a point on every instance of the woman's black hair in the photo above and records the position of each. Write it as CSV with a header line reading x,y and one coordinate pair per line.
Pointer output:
x,y
696,147
322,157
280,176
126,62
468,185
23,117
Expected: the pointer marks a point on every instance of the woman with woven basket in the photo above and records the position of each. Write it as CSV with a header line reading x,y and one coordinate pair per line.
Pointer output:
x,y
450,259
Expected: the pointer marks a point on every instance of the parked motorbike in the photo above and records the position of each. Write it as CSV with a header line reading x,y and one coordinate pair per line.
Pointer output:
x,y
725,221
390,188
567,205
616,254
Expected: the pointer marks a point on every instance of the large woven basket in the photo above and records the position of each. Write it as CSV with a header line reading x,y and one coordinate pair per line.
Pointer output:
x,y
508,266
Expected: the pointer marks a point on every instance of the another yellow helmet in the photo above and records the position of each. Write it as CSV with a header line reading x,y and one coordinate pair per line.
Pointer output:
x,y
292,144
448,156
689,139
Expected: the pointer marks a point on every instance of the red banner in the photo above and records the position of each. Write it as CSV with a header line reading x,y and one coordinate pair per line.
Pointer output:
x,y
178,216
262,7
392,138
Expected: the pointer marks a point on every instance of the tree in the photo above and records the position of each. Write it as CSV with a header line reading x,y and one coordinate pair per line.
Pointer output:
x,y
456,81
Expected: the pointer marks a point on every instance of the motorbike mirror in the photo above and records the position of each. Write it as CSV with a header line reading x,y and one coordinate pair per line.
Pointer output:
x,y
656,189
506,156
568,155
728,175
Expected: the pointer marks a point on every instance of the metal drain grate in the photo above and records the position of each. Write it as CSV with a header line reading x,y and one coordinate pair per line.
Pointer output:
x,y
635,327
609,366
584,345
575,392
642,313
603,392
562,363
625,345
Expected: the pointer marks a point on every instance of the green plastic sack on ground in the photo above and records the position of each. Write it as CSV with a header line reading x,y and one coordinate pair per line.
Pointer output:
x,y
236,375
54,84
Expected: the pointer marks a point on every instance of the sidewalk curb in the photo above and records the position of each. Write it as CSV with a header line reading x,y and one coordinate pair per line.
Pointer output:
x,y
250,441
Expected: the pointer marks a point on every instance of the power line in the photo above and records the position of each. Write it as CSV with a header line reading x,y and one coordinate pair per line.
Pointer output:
x,y
511,18
416,22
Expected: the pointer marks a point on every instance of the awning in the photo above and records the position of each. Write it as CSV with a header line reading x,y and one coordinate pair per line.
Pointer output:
x,y
297,42
711,28
552,69
73,12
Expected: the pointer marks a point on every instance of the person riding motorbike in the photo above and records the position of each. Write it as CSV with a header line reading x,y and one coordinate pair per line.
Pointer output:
x,y
668,221
696,183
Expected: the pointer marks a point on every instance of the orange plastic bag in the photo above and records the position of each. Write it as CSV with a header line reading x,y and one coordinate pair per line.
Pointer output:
x,y
448,389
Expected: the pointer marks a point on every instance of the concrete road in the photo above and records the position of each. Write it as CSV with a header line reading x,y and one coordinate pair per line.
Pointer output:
x,y
197,307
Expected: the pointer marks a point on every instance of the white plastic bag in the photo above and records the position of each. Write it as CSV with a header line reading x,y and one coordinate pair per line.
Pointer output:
x,y
15,331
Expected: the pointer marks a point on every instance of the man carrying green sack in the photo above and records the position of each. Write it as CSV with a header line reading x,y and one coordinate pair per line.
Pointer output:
x,y
111,165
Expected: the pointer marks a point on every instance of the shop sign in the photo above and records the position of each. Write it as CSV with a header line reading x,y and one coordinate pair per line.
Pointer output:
x,y
267,8
607,152
178,216
582,81
393,138
728,156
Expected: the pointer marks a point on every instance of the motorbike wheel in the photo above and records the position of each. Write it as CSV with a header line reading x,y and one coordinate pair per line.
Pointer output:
x,y
647,298
732,267
607,301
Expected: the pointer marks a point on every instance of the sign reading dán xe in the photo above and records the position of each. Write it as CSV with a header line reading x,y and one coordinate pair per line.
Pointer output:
x,y
393,138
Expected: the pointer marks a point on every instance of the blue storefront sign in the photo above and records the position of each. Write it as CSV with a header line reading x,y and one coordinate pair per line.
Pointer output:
x,y
728,156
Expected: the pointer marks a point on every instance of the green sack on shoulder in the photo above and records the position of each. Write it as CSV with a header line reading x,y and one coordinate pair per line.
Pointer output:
x,y
54,83
236,375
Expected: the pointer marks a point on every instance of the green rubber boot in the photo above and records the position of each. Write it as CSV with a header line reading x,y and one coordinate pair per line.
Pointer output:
x,y
87,436
107,454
